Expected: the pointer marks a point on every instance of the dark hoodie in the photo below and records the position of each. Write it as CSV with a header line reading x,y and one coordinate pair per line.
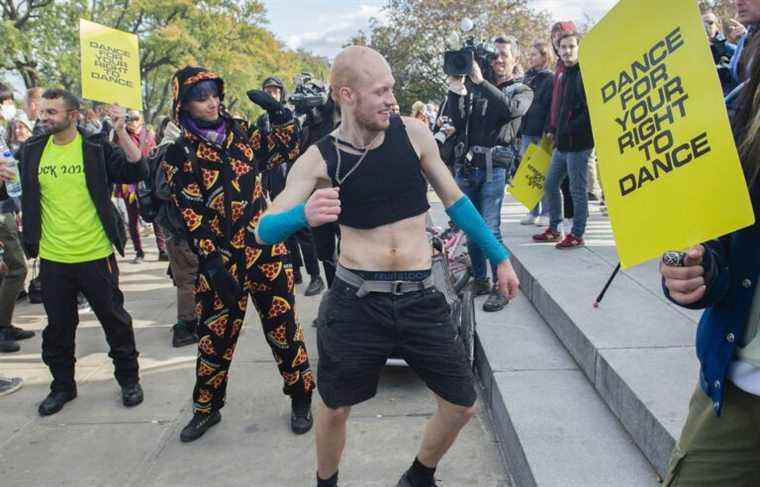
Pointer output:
x,y
542,83
217,190
564,27
573,133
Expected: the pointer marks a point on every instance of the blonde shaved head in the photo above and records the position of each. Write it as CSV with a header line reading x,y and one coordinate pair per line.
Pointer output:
x,y
362,85
355,67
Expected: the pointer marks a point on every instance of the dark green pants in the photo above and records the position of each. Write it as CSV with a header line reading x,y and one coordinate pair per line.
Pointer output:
x,y
13,281
718,451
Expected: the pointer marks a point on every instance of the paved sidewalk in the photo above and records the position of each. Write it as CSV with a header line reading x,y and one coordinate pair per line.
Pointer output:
x,y
95,441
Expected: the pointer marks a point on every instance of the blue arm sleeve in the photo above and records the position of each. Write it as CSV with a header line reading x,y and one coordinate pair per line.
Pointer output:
x,y
464,214
277,228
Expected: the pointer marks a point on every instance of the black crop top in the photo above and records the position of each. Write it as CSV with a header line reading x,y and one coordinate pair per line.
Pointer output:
x,y
387,187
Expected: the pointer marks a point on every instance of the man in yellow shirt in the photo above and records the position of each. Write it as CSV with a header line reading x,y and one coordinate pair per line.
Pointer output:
x,y
70,223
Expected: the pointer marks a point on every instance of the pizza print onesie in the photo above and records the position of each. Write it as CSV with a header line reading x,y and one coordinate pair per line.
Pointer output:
x,y
221,200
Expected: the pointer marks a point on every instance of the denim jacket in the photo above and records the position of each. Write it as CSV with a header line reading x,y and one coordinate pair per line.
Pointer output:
x,y
732,265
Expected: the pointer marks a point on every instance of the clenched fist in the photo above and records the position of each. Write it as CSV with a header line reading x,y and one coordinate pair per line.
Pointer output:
x,y
323,207
686,284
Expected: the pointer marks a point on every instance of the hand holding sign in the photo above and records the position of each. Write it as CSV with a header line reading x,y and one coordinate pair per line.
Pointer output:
x,y
686,283
661,129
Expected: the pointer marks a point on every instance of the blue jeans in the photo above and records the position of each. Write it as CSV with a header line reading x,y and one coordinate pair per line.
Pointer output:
x,y
542,208
574,165
487,198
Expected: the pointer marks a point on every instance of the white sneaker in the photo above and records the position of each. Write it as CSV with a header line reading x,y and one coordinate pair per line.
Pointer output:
x,y
542,221
528,220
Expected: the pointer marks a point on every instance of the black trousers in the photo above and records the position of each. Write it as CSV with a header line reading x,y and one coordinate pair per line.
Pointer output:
x,y
307,256
326,238
98,280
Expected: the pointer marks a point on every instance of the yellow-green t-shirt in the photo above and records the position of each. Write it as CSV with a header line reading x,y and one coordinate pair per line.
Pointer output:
x,y
71,229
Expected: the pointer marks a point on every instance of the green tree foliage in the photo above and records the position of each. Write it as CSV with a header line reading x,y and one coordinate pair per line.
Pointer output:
x,y
41,43
414,37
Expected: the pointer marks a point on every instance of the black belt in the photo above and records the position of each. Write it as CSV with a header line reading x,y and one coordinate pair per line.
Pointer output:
x,y
396,288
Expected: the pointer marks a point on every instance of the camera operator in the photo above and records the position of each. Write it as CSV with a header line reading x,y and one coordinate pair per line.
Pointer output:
x,y
488,113
301,244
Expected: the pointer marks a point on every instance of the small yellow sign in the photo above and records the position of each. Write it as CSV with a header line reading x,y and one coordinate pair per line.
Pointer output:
x,y
110,65
527,185
668,163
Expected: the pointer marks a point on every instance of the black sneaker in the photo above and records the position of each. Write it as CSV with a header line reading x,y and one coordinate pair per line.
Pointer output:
x,y
139,258
184,334
495,302
55,401
16,333
301,419
199,425
406,482
10,385
132,395
7,345
315,287
163,256
481,287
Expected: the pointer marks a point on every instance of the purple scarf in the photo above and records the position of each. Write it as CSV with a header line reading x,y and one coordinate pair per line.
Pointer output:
x,y
215,135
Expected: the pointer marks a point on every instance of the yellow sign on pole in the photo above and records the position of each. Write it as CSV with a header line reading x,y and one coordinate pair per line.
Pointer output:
x,y
110,65
527,185
669,166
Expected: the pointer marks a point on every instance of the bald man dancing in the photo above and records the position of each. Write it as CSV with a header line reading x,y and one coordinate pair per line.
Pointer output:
x,y
369,176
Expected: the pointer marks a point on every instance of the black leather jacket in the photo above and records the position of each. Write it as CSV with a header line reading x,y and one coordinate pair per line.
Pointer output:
x,y
104,165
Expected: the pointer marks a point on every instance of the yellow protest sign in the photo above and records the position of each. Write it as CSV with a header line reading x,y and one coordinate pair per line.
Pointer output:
x,y
527,185
669,166
110,65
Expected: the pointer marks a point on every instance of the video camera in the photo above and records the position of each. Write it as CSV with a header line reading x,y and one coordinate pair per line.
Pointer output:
x,y
308,94
459,62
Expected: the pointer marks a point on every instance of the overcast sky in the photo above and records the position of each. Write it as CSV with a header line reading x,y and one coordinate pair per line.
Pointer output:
x,y
323,26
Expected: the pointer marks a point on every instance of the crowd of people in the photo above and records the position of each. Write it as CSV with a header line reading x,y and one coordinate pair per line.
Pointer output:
x,y
237,207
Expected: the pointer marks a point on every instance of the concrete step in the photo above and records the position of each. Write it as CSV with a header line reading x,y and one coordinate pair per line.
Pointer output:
x,y
553,427
636,349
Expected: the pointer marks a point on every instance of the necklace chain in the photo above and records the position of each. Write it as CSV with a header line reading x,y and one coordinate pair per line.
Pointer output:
x,y
366,150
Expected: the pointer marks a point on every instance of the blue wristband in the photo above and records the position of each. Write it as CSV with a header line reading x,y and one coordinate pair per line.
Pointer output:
x,y
278,227
464,214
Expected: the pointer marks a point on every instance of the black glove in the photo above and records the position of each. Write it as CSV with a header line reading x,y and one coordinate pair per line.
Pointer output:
x,y
278,114
223,283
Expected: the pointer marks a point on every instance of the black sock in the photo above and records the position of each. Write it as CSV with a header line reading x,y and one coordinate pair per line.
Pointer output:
x,y
331,482
420,475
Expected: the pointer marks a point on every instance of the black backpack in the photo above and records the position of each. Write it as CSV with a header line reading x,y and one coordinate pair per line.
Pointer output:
x,y
154,194
148,203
